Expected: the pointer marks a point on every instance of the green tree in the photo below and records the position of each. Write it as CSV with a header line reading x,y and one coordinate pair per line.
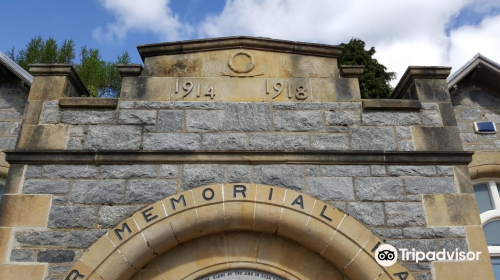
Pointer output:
x,y
101,77
374,83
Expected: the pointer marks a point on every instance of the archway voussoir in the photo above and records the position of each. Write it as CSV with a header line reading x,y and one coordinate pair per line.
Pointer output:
x,y
239,206
98,252
208,251
242,247
363,266
398,269
274,250
185,225
355,230
177,262
268,208
160,237
295,215
116,268
122,232
150,215
136,251
322,225
180,202
209,203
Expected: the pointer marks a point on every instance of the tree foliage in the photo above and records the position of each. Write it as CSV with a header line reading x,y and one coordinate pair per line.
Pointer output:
x,y
374,83
101,77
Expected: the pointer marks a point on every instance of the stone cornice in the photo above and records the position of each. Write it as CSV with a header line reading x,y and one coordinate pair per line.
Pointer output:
x,y
419,72
59,69
237,157
224,43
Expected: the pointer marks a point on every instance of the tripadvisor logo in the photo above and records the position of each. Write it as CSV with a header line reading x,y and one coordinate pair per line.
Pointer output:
x,y
386,255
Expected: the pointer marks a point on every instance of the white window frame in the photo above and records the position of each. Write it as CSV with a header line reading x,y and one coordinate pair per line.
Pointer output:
x,y
493,214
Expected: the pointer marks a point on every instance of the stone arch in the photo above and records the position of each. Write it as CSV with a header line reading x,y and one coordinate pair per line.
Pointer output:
x,y
161,226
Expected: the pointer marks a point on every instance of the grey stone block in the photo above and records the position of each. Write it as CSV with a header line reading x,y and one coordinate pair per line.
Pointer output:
x,y
405,214
313,170
11,115
469,114
194,105
468,137
425,245
421,233
372,138
199,175
4,126
88,117
8,143
204,121
431,118
118,137
327,188
462,126
98,191
342,206
72,217
409,170
42,238
337,129
51,105
493,118
298,121
84,238
287,176
406,145
46,187
60,199
59,268
56,256
418,266
75,143
172,141
451,245
330,142
430,185
76,131
239,173
150,128
388,232
378,170
50,117
403,132
265,141
21,255
379,188
423,276
457,232
170,120
342,118
225,141
128,171
33,171
69,171
109,216
429,106
367,213
168,171
247,117
345,170
445,170
126,104
137,117
391,118
153,104
284,105
146,191
15,128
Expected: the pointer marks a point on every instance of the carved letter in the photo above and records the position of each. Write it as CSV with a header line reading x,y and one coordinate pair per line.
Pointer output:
x,y
172,200
401,275
376,247
323,214
124,226
148,215
270,193
204,194
75,274
239,189
299,201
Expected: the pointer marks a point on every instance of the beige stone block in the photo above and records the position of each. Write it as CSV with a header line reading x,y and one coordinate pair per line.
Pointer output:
x,y
463,270
306,263
160,237
31,272
275,250
150,215
239,206
319,230
209,251
198,89
356,231
49,87
398,269
79,270
4,242
124,231
185,225
363,266
176,263
477,242
136,251
462,179
209,200
207,195
451,210
372,243
98,252
32,112
43,137
287,90
148,275
295,215
24,210
146,88
116,268
15,179
330,273
267,216
242,246
299,202
340,251
177,203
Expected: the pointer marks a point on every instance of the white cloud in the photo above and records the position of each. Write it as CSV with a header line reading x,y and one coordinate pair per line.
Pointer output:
x,y
144,15
404,32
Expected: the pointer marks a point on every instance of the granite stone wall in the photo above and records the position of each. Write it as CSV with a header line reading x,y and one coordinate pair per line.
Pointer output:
x,y
13,98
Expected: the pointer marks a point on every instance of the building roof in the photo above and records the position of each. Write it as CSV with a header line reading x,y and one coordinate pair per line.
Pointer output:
x,y
13,67
478,63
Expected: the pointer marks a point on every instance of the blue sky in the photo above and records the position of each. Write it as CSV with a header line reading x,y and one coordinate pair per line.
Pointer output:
x,y
425,32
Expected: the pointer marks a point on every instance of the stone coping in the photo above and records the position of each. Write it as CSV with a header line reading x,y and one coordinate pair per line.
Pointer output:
x,y
129,70
60,69
351,71
419,72
89,102
236,42
391,104
237,157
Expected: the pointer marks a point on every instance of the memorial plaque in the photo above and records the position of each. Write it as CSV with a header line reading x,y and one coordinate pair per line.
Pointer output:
x,y
241,274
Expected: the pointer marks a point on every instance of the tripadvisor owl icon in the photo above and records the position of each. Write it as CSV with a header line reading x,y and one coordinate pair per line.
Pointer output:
x,y
386,255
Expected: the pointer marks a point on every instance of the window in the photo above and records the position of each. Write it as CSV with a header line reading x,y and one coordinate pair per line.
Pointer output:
x,y
496,267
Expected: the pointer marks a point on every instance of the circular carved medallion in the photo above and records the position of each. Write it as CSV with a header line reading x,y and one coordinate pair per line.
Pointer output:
x,y
241,274
243,65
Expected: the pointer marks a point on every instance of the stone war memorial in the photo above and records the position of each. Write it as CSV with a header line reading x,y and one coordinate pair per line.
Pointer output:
x,y
239,158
